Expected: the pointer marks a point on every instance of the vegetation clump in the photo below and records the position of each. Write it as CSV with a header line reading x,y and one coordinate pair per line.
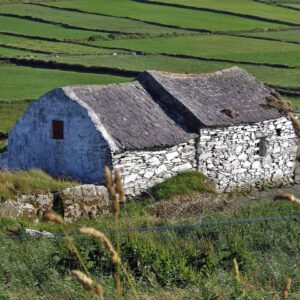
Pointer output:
x,y
186,183
34,181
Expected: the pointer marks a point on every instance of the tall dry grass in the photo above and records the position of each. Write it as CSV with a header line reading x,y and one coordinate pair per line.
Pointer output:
x,y
117,196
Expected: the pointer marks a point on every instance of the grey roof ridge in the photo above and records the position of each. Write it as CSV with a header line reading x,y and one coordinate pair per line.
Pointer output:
x,y
100,86
207,74
68,91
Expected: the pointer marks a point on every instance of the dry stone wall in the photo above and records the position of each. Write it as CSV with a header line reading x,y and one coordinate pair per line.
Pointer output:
x,y
246,155
85,200
143,169
27,206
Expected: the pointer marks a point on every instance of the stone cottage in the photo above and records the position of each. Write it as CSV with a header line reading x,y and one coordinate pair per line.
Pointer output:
x,y
221,124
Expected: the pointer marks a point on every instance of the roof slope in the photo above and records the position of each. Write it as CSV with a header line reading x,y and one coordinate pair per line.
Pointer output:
x,y
129,115
227,97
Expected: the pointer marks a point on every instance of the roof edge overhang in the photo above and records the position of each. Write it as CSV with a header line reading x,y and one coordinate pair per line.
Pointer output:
x,y
95,119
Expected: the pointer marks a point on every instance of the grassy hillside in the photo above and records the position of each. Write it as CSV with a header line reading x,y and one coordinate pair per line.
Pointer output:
x,y
25,83
167,15
190,36
245,7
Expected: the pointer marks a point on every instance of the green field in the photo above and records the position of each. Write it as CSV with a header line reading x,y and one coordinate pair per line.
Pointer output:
x,y
10,113
184,18
7,51
287,78
84,21
105,30
32,28
49,47
247,7
216,46
286,35
27,83
294,5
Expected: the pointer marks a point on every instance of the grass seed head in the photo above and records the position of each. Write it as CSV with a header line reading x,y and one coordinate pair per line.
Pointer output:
x,y
53,217
84,280
116,207
101,236
236,270
287,287
98,289
119,186
287,197
88,283
296,124
109,182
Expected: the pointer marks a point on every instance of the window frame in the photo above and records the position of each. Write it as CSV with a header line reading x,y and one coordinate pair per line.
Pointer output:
x,y
58,130
261,147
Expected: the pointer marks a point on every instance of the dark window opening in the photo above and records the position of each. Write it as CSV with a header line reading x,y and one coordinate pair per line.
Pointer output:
x,y
57,130
278,132
261,147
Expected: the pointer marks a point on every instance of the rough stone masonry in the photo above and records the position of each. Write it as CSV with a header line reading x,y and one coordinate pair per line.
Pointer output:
x,y
260,153
143,169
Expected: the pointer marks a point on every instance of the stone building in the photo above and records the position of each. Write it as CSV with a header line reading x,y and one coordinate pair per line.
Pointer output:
x,y
222,124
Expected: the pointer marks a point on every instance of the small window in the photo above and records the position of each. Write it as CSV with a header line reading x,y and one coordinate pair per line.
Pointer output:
x,y
261,147
57,130
278,132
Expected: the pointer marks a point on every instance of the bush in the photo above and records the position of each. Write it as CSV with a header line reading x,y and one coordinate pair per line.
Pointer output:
x,y
185,183
33,181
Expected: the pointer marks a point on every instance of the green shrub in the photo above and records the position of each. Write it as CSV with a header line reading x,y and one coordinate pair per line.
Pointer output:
x,y
146,257
33,181
185,183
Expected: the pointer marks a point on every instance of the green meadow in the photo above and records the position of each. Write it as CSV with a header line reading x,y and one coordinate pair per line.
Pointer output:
x,y
6,51
33,28
10,113
25,83
285,36
49,47
245,7
171,16
283,77
216,46
139,35
99,23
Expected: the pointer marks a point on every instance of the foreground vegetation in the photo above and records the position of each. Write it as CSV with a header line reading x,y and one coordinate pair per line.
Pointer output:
x,y
193,262
185,261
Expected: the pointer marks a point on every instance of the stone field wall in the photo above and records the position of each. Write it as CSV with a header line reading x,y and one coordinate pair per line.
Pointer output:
x,y
230,155
143,169
72,203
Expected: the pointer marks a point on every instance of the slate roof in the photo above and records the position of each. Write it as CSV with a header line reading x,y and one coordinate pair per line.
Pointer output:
x,y
209,97
164,109
130,116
